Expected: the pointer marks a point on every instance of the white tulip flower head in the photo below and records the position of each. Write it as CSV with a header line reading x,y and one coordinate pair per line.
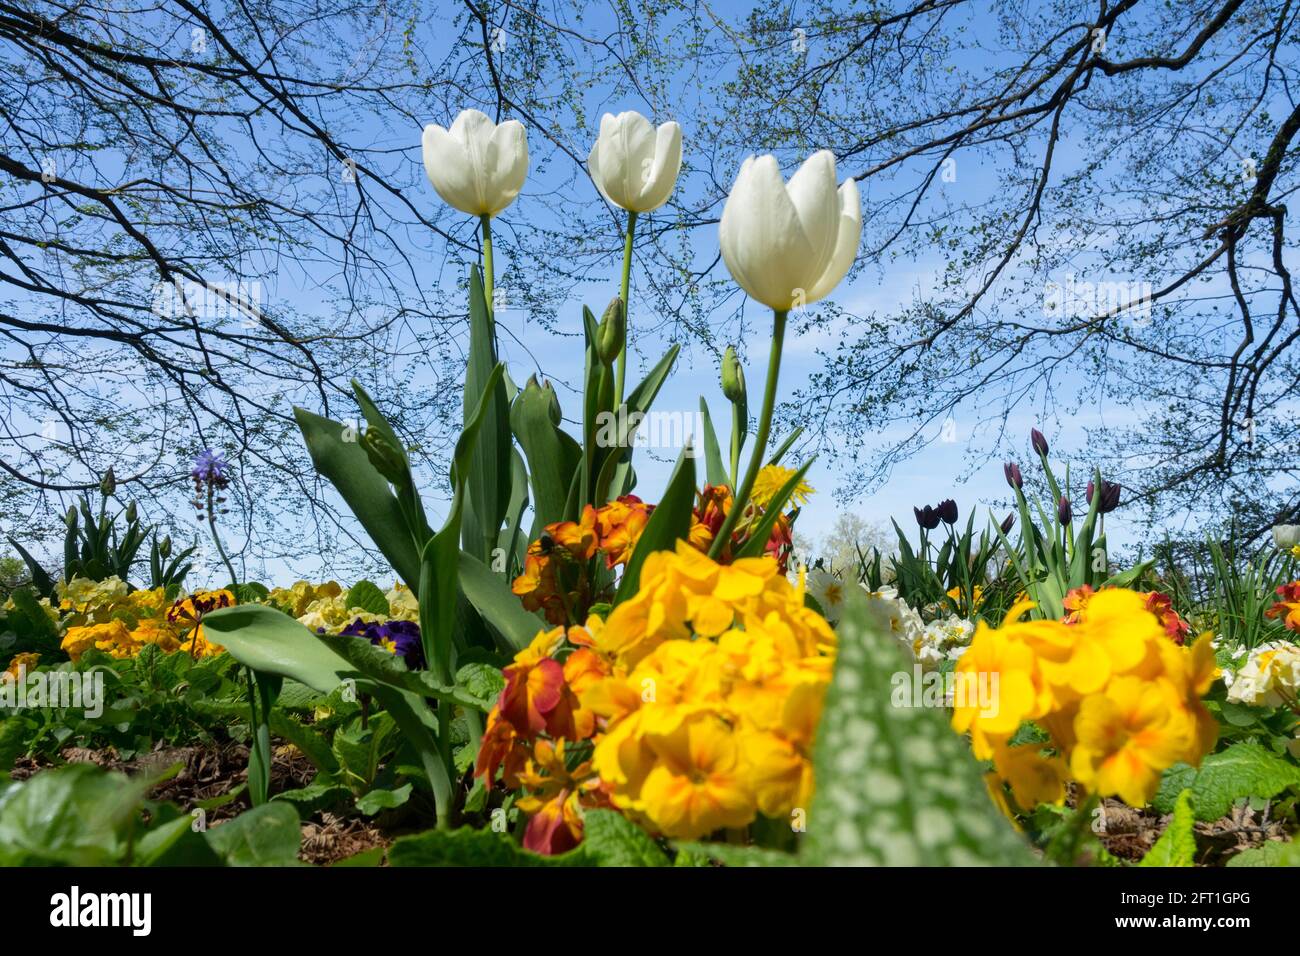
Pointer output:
x,y
790,244
476,166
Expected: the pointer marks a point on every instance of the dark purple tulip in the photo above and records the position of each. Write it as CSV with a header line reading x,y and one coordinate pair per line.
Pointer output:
x,y
1012,471
927,518
947,511
1063,510
1109,496
1008,523
1038,441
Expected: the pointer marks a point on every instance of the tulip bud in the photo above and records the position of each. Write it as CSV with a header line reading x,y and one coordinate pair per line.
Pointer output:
x,y
1064,513
1286,536
165,547
1109,496
947,511
476,166
1008,523
1038,441
789,244
733,377
634,165
927,517
1014,478
386,459
131,513
70,519
108,484
610,332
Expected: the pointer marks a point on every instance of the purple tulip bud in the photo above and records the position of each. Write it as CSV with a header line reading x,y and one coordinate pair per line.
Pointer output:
x,y
947,511
1039,442
1012,471
1008,523
927,518
1063,510
1109,496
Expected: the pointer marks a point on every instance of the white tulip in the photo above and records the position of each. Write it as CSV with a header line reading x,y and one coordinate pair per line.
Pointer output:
x,y
790,244
477,166
1286,536
634,165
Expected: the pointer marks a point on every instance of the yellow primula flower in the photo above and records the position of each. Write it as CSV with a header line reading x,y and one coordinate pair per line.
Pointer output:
x,y
1120,700
112,637
717,675
698,783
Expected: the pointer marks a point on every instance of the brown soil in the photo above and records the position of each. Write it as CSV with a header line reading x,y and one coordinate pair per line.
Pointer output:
x,y
1130,833
212,771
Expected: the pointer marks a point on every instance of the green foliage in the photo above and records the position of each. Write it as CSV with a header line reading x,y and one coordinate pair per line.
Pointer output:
x,y
1177,845
1051,557
1242,770
367,596
1270,854
470,847
611,839
81,815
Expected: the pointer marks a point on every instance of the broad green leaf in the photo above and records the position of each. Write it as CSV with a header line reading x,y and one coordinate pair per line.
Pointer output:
x,y
1177,845
268,835
344,463
316,796
380,667
368,596
714,469
731,855
895,785
616,466
440,559
380,799
553,455
491,596
611,839
272,642
487,472
262,694
669,522
482,680
77,815
470,847
1273,853
1243,770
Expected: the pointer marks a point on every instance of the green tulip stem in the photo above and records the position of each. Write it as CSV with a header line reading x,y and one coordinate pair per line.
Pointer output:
x,y
760,439
487,262
623,293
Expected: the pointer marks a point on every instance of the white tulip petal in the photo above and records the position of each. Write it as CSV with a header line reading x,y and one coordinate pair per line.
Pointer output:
x,y
667,164
762,239
846,244
447,166
477,166
812,191
506,164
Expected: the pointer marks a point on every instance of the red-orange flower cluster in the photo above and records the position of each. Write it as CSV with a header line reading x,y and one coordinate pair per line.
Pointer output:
x,y
711,507
1160,605
554,568
537,714
1288,608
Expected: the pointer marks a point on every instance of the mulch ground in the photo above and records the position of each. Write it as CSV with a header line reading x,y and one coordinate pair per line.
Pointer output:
x,y
212,771
1130,833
